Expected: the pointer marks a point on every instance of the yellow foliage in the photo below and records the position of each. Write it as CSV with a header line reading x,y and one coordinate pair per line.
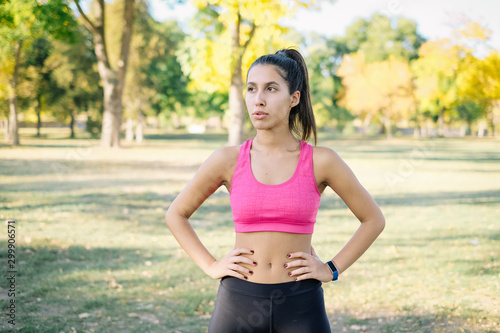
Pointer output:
x,y
384,87
211,74
208,61
435,71
479,80
474,30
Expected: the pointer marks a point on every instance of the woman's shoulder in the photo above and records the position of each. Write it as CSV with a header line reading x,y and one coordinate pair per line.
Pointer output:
x,y
224,159
325,155
220,164
226,153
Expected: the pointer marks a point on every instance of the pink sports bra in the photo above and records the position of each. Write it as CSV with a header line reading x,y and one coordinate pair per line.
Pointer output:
x,y
287,207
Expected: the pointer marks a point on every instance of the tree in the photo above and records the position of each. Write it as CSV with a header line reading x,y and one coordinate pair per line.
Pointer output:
x,y
478,77
435,79
380,37
113,78
381,88
325,57
379,40
74,83
228,29
38,74
479,86
155,82
22,22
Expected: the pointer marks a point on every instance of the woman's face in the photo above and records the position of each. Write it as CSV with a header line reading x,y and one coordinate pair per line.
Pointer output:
x,y
267,98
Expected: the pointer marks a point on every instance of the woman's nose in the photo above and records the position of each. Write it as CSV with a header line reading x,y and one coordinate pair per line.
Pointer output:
x,y
259,99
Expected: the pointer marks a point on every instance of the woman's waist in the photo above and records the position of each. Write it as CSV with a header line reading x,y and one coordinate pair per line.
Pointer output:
x,y
269,290
271,250
272,244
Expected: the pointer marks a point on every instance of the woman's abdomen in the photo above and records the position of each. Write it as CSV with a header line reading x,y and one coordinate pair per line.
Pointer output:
x,y
270,252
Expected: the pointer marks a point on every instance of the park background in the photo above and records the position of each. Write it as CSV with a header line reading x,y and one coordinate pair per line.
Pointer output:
x,y
415,117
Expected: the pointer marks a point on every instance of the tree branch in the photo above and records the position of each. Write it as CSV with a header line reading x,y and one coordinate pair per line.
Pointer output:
x,y
86,20
128,19
250,36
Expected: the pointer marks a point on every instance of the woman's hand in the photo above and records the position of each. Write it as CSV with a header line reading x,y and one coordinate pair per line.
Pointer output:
x,y
229,265
308,266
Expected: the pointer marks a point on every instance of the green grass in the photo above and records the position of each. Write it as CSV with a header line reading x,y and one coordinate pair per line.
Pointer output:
x,y
94,254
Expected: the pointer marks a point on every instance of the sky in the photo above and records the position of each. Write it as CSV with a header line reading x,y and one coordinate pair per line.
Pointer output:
x,y
434,17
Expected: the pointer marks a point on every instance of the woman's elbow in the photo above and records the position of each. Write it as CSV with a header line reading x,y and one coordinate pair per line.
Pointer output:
x,y
174,218
170,218
380,223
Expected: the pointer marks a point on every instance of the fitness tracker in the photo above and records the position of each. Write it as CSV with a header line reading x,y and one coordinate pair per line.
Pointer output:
x,y
334,270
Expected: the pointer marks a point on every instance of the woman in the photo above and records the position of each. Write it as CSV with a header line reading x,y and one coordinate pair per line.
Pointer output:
x,y
271,279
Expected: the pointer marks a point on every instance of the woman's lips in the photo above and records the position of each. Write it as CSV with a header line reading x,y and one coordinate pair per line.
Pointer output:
x,y
259,115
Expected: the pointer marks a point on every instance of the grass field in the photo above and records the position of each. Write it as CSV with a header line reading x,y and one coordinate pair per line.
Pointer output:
x,y
94,255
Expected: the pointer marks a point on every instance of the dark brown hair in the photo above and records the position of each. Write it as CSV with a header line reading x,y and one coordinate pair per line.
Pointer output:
x,y
290,64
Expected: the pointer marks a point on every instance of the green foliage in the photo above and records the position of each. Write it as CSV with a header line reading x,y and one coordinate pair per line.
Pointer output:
x,y
325,57
28,26
155,82
470,111
56,18
380,37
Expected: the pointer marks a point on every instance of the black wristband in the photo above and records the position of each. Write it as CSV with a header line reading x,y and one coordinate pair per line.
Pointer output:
x,y
334,270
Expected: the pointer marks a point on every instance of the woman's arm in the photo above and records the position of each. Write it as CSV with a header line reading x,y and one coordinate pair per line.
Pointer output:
x,y
215,171
332,171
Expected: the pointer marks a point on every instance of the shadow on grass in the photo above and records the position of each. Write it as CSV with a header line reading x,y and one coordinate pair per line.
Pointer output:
x,y
490,197
187,136
100,202
61,167
441,198
45,145
97,289
68,186
401,322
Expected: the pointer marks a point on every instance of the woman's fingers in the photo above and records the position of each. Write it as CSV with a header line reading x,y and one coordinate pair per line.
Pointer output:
x,y
306,266
231,263
238,256
239,251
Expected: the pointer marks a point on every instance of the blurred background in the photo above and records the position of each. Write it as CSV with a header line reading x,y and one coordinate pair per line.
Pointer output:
x,y
406,91
113,69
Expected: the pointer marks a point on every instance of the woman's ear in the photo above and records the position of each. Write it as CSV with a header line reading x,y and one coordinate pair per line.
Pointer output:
x,y
295,99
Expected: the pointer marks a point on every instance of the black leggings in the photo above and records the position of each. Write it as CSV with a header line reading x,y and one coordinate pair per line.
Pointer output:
x,y
248,307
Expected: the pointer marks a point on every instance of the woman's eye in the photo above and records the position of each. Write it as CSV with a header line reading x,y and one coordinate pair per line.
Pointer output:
x,y
250,89
271,88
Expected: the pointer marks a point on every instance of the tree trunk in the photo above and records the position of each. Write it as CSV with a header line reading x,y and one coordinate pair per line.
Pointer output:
x,y
13,127
388,127
468,130
236,105
441,122
236,101
112,117
491,123
366,123
237,109
129,134
482,129
6,130
139,132
72,123
38,110
113,80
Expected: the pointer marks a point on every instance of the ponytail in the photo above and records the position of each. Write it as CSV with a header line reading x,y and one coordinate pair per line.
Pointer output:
x,y
292,67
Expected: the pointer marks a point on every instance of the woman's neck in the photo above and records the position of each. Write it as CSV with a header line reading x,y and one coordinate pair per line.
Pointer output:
x,y
272,140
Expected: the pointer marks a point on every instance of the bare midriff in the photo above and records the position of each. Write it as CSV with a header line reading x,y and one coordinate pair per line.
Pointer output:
x,y
270,252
